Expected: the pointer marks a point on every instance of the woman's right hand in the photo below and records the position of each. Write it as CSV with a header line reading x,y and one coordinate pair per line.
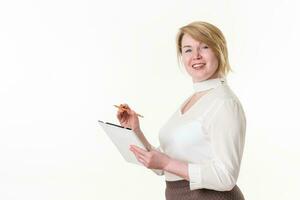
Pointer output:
x,y
128,118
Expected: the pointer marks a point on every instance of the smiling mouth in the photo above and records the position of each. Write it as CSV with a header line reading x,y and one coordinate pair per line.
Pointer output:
x,y
198,65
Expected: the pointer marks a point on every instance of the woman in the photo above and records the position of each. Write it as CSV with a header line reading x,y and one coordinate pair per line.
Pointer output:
x,y
201,145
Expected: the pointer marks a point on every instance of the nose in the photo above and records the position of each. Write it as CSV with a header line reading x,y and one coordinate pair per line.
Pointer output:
x,y
197,54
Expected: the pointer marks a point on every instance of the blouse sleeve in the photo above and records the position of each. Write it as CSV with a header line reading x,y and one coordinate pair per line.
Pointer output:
x,y
226,129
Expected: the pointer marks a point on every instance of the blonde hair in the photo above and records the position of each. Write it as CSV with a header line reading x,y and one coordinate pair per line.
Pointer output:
x,y
210,35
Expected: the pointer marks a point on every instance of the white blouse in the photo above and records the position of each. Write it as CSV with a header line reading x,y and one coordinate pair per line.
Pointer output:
x,y
210,137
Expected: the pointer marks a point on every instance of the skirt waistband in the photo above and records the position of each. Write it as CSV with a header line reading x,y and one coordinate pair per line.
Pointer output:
x,y
178,184
180,190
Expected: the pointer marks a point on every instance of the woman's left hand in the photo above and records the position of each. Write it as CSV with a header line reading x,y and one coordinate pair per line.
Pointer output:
x,y
151,159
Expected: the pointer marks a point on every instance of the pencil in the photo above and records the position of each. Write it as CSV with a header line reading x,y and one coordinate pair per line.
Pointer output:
x,y
127,110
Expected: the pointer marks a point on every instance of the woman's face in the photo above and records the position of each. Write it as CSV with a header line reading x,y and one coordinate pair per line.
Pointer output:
x,y
199,60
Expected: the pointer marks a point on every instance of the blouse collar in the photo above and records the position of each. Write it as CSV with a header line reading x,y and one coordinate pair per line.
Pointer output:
x,y
208,84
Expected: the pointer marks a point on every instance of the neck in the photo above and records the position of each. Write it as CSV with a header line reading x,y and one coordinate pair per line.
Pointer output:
x,y
208,84
214,76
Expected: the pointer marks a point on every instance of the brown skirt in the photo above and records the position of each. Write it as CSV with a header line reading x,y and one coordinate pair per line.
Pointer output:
x,y
180,190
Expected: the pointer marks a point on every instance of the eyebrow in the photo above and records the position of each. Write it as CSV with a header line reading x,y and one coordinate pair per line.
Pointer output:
x,y
187,46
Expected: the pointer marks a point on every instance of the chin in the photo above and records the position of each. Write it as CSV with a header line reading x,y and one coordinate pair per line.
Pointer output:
x,y
203,77
200,76
199,79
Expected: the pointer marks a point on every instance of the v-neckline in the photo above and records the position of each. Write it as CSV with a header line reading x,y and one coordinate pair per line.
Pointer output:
x,y
192,106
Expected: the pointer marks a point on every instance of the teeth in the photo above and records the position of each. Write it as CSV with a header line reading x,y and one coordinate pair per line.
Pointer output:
x,y
198,65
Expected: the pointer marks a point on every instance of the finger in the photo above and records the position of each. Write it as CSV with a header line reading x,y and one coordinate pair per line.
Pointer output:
x,y
121,111
126,106
124,117
120,114
140,157
141,161
124,114
121,108
139,150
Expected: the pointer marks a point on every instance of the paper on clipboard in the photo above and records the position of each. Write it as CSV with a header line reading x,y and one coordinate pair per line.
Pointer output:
x,y
122,138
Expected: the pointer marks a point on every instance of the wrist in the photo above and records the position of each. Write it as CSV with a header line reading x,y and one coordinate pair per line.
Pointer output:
x,y
168,164
137,131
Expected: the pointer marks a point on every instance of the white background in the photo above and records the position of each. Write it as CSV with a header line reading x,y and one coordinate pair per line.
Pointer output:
x,y
63,64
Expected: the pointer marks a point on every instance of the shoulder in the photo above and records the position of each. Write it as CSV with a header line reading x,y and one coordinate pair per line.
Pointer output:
x,y
227,104
224,93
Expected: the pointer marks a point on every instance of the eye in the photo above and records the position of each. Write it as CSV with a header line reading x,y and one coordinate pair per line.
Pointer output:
x,y
205,47
188,50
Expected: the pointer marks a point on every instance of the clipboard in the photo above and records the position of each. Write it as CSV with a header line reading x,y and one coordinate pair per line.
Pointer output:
x,y
122,138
